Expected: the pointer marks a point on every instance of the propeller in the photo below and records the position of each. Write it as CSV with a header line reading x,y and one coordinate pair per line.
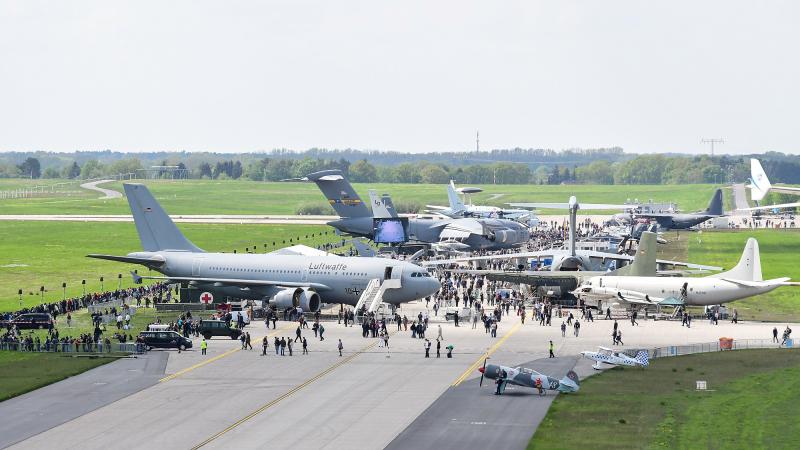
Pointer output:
x,y
482,370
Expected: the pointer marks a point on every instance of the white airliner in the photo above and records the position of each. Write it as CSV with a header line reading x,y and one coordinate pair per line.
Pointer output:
x,y
760,187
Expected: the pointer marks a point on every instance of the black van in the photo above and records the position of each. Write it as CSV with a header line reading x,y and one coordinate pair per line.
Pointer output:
x,y
209,328
165,339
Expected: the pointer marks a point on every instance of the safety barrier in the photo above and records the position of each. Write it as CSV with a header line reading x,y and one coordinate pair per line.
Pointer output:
x,y
708,347
73,347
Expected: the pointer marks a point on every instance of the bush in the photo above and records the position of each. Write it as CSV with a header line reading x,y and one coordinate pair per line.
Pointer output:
x,y
314,209
408,207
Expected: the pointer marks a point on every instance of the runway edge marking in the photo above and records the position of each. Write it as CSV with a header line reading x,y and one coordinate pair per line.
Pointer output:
x,y
210,360
485,355
289,393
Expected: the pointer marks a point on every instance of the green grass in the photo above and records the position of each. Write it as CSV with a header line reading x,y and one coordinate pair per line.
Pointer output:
x,y
779,250
35,254
755,393
23,372
250,197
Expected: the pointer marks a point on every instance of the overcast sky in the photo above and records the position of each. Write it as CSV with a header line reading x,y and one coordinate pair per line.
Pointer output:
x,y
404,75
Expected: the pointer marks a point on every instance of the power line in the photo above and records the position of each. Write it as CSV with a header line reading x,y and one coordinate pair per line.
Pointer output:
x,y
712,142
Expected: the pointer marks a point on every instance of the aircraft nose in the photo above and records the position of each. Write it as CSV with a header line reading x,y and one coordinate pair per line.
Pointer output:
x,y
481,369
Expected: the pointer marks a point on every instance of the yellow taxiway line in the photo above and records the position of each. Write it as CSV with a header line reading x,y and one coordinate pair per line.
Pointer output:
x,y
488,353
211,360
284,396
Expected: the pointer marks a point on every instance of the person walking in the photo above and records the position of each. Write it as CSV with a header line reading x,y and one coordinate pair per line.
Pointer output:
x,y
341,347
633,318
204,346
297,334
247,341
619,338
563,329
305,346
552,348
321,330
439,336
438,348
775,335
289,345
577,327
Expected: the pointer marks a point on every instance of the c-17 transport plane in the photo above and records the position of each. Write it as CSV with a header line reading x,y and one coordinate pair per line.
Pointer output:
x,y
458,209
285,279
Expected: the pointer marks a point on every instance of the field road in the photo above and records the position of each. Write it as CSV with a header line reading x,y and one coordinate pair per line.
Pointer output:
x,y
365,399
107,193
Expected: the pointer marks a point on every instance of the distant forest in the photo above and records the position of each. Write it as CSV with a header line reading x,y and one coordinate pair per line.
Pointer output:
x,y
512,166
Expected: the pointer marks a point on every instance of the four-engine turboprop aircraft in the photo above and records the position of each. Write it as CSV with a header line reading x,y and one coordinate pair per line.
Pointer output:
x,y
744,280
614,358
284,278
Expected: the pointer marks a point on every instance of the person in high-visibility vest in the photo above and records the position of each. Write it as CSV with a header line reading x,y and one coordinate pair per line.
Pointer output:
x,y
203,346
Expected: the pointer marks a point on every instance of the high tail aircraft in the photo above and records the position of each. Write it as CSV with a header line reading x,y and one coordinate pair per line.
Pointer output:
x,y
682,221
521,376
458,209
284,278
760,187
383,225
608,357
744,280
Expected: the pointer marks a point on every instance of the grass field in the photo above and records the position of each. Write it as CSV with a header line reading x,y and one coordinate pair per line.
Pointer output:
x,y
249,197
755,393
23,372
35,254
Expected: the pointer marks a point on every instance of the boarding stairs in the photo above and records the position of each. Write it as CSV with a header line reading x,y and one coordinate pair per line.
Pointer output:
x,y
371,299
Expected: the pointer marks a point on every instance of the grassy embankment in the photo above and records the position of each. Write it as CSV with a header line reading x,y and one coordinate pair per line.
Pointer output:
x,y
250,197
752,397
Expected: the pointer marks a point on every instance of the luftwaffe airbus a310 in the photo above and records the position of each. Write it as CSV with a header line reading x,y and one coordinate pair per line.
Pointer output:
x,y
285,279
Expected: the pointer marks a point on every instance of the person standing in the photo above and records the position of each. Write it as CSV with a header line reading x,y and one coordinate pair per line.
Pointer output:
x,y
439,336
297,334
633,318
775,335
552,348
305,346
321,330
341,347
577,328
264,345
204,346
438,348
427,346
289,344
563,329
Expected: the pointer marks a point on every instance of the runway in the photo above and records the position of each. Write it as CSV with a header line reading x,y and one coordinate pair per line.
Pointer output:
x,y
364,399
107,193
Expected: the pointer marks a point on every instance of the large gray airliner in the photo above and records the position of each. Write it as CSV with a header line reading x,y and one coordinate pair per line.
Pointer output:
x,y
285,279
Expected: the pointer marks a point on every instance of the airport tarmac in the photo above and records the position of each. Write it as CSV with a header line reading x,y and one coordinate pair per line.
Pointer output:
x,y
363,399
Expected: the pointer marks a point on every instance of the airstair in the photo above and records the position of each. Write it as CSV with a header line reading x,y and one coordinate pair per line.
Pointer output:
x,y
371,299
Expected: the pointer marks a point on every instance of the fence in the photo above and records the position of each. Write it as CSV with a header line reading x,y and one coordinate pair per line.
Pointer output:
x,y
40,190
708,347
72,347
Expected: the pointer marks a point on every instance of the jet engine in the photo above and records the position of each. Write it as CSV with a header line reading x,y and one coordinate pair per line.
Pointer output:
x,y
306,299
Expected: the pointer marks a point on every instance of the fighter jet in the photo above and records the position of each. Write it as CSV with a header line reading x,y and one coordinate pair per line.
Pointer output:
x,y
458,209
744,280
283,278
683,221
521,376
760,187
388,228
614,358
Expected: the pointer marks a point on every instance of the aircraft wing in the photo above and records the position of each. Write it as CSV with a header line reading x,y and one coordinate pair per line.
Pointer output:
x,y
768,207
785,189
300,250
765,283
638,298
155,261
440,208
240,282
567,205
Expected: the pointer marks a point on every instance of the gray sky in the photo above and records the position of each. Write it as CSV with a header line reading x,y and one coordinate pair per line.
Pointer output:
x,y
404,75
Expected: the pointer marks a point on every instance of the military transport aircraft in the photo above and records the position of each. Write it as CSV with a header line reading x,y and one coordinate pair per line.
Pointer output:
x,y
460,234
683,221
284,278
611,357
521,376
760,187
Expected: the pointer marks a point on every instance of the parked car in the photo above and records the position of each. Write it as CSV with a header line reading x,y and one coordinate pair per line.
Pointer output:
x,y
209,328
165,339
31,321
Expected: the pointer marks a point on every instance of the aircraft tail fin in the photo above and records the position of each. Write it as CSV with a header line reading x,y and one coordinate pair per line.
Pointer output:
x,y
644,263
456,205
574,377
382,207
749,266
642,357
340,193
715,206
156,230
759,183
